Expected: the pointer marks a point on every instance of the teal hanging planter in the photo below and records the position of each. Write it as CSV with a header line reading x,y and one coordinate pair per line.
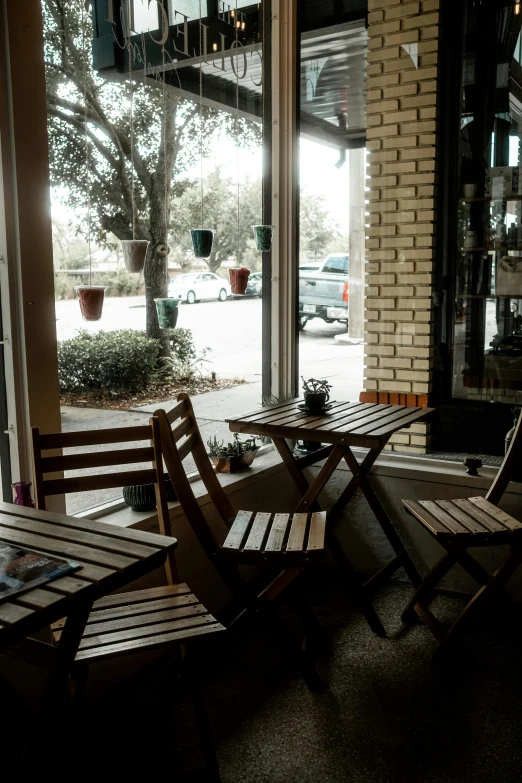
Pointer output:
x,y
202,239
167,310
263,235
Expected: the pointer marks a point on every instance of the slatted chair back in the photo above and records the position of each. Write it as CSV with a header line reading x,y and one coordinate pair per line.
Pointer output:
x,y
45,465
509,466
180,436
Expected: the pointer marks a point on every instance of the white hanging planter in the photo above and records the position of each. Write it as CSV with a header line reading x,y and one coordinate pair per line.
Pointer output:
x,y
134,254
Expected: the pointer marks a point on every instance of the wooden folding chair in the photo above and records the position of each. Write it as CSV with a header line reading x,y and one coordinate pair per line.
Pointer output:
x,y
281,544
143,620
459,525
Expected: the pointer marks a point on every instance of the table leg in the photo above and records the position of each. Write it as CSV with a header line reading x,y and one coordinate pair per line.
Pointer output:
x,y
66,650
382,517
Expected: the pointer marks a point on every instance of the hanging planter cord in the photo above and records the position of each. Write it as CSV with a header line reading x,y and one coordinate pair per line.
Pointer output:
x,y
90,297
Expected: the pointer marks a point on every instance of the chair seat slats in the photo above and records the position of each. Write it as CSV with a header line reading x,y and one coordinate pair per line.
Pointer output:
x,y
505,519
297,534
268,536
149,622
476,518
317,531
257,531
447,521
470,523
277,533
148,642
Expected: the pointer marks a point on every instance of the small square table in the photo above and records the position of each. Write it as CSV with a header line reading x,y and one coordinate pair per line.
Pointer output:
x,y
345,425
110,557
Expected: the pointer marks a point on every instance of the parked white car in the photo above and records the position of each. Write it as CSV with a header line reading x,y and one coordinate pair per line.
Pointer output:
x,y
194,287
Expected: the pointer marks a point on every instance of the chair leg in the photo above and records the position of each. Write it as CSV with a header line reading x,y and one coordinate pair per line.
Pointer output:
x,y
200,710
422,593
302,659
498,579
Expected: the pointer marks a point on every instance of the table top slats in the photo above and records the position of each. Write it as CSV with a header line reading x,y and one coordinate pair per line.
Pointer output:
x,y
11,613
68,585
389,427
70,534
379,422
258,531
88,525
277,535
39,598
505,519
297,417
65,549
344,422
348,423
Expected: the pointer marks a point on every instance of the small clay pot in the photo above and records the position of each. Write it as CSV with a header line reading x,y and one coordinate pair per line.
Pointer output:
x,y
91,301
134,254
202,239
167,310
263,235
239,280
315,401
142,497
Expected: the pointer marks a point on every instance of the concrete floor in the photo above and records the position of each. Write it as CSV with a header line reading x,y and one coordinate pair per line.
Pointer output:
x,y
388,715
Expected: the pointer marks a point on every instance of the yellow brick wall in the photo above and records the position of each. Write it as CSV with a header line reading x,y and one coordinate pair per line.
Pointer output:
x,y
403,140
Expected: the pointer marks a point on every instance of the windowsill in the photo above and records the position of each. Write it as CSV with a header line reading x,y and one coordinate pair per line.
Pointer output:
x,y
269,464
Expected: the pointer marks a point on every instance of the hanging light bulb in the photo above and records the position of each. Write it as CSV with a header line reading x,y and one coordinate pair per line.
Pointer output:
x,y
214,47
517,9
243,25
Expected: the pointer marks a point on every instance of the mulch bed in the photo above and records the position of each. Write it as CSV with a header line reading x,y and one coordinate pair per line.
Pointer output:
x,y
161,391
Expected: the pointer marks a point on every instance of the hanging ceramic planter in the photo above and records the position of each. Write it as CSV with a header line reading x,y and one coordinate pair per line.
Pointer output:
x,y
263,235
239,280
91,301
202,239
167,310
134,254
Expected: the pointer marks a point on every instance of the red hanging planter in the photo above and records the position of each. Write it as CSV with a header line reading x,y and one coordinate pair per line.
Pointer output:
x,y
239,280
91,301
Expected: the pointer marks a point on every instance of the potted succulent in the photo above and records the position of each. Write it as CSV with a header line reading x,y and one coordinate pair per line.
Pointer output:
x,y
232,457
239,279
91,301
134,254
316,394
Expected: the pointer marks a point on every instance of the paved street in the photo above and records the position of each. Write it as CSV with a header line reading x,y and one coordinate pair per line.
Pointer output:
x,y
232,330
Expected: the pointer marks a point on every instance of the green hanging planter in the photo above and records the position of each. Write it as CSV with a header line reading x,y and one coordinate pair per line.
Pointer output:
x,y
167,310
263,235
202,239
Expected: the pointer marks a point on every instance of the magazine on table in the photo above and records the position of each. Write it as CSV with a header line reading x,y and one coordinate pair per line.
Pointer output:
x,y
23,569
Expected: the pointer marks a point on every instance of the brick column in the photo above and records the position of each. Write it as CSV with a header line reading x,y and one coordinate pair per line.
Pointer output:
x,y
403,145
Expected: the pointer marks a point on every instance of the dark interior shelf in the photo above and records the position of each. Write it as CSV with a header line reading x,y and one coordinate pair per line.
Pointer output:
x,y
490,198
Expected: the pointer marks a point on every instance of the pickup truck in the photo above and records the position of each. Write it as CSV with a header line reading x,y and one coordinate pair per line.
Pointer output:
x,y
323,293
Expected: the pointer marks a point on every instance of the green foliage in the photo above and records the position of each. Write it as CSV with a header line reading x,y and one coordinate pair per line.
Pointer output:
x,y
62,286
312,385
235,449
182,344
316,228
220,213
124,360
119,283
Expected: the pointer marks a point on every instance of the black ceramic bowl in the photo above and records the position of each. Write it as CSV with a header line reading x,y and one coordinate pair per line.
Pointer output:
x,y
142,497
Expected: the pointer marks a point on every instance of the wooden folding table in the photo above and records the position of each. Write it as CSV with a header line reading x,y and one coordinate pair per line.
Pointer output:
x,y
110,557
345,425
